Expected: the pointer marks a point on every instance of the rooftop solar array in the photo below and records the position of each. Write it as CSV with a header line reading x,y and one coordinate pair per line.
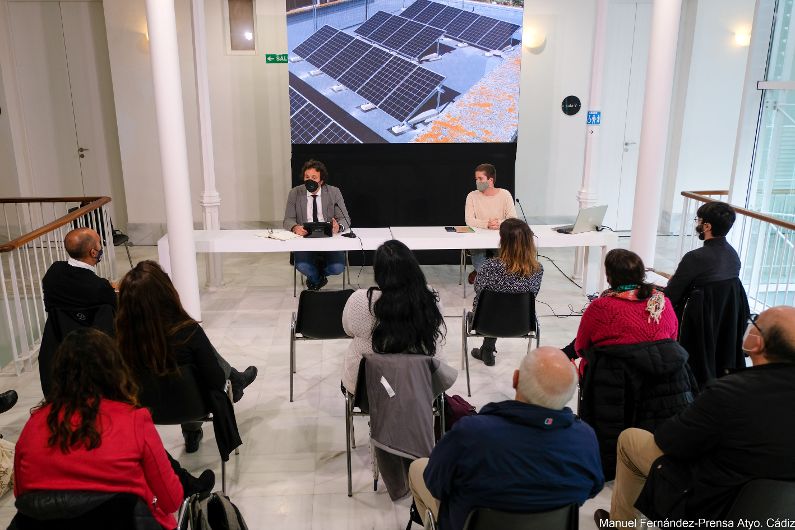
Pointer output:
x,y
310,125
407,37
396,85
478,30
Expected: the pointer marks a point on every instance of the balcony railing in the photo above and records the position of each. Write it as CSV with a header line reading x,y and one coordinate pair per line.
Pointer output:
x,y
765,244
31,239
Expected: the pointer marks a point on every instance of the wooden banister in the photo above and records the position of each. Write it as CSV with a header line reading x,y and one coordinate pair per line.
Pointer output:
x,y
701,197
94,204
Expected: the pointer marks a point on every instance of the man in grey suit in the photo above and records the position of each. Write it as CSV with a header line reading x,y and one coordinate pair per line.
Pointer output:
x,y
316,201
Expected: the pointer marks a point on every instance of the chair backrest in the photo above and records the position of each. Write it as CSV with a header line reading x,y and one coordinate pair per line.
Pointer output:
x,y
82,509
504,314
69,319
175,398
761,499
565,518
320,314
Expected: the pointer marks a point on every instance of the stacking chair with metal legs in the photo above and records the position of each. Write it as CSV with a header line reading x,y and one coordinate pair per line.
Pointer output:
x,y
176,399
319,317
564,518
500,315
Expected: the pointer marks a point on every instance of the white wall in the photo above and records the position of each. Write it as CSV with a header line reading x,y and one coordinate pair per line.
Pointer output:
x,y
710,109
9,180
550,145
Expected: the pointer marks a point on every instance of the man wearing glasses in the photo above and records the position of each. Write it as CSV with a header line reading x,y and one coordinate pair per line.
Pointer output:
x,y
739,428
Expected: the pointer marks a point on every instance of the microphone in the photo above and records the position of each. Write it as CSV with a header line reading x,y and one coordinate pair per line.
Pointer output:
x,y
350,228
522,208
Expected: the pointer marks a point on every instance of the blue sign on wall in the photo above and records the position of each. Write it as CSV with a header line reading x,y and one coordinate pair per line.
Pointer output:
x,y
594,117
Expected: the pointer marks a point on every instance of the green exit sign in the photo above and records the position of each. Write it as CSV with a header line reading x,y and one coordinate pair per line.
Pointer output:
x,y
275,58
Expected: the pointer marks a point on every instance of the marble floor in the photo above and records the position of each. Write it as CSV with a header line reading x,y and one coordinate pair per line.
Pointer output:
x,y
291,471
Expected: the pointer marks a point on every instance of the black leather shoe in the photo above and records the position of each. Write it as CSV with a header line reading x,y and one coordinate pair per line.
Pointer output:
x,y
601,518
484,354
192,439
8,400
323,282
241,380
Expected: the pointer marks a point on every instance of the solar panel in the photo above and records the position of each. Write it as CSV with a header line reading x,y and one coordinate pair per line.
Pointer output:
x,y
296,101
414,9
415,47
406,32
314,41
372,23
429,12
411,93
331,48
478,28
386,29
497,36
335,134
345,59
460,23
364,68
306,123
386,79
444,17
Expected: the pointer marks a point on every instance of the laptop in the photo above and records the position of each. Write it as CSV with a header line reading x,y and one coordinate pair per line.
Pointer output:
x,y
588,220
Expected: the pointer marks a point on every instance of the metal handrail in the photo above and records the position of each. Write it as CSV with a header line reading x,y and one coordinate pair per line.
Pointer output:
x,y
94,204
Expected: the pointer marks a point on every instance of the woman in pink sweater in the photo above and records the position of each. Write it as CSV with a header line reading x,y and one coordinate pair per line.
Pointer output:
x,y
630,312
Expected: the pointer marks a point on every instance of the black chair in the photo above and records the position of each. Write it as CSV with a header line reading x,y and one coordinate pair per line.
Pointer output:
x,y
60,322
761,499
565,518
82,510
500,315
319,317
358,405
176,398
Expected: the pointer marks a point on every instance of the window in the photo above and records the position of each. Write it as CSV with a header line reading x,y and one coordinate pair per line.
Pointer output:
x,y
241,27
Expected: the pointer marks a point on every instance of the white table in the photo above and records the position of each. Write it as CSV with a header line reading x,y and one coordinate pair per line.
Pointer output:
x,y
437,238
415,237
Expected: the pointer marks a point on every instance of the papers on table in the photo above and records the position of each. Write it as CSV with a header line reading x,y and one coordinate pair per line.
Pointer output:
x,y
279,234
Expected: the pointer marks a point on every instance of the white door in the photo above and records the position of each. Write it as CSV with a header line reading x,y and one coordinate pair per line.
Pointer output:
x,y
627,51
63,72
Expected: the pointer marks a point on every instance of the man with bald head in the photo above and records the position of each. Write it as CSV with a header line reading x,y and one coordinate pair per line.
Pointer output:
x,y
740,427
73,284
528,454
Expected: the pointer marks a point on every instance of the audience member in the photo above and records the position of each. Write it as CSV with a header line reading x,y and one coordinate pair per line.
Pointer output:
x,y
316,201
739,428
631,311
716,260
529,454
401,315
515,270
486,207
156,336
90,435
73,284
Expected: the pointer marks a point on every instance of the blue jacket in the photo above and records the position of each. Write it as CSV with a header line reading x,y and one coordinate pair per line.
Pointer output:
x,y
513,457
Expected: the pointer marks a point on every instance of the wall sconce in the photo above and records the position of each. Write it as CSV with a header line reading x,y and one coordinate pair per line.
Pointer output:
x,y
534,39
742,38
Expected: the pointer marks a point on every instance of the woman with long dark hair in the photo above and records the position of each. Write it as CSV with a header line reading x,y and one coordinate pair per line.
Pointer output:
x,y
402,314
631,311
515,269
156,335
89,434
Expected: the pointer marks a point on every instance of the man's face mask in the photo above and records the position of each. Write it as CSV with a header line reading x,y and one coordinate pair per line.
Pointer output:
x,y
700,230
311,185
482,185
99,255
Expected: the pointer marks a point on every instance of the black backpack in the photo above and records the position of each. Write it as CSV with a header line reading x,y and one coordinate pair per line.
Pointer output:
x,y
214,512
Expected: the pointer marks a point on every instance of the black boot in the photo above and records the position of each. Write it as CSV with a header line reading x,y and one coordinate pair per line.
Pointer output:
x,y
8,400
240,380
192,439
485,354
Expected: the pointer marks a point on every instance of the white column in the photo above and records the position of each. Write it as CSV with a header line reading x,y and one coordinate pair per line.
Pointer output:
x,y
164,53
586,195
654,129
210,199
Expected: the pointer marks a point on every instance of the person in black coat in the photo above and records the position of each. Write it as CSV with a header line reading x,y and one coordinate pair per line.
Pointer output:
x,y
739,428
634,385
72,284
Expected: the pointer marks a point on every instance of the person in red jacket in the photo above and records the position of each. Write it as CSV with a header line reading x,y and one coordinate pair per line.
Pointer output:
x,y
90,435
629,312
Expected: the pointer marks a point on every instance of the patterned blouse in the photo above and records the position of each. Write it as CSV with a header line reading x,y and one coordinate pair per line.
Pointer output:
x,y
494,277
